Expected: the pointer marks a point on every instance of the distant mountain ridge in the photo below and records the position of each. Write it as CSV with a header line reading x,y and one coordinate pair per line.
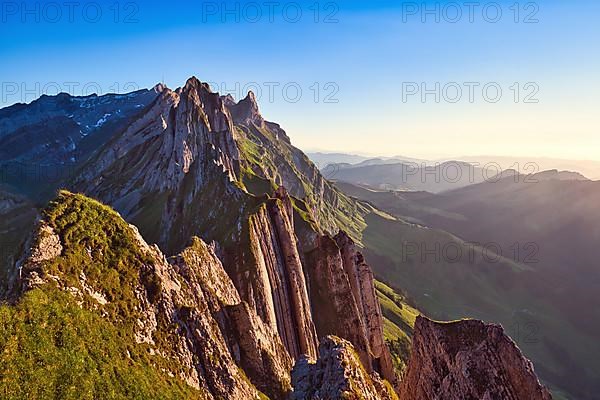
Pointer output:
x,y
331,163
547,222
394,175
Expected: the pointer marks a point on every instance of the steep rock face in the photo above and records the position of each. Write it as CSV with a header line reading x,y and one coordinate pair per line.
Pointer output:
x,y
337,374
343,287
254,345
467,360
245,111
185,312
181,152
180,126
262,354
362,283
327,290
278,288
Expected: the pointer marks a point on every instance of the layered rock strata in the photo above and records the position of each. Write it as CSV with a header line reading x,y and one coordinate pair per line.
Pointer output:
x,y
467,360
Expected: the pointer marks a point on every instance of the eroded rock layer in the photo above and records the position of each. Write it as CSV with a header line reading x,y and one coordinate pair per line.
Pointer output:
x,y
467,360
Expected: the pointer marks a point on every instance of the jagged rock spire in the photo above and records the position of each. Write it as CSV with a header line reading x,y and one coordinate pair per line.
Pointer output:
x,y
246,111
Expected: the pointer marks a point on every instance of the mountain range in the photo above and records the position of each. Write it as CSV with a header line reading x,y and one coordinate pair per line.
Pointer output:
x,y
540,274
329,163
175,244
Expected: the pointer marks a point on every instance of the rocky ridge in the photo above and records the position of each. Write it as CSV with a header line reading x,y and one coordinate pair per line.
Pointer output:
x,y
337,374
185,311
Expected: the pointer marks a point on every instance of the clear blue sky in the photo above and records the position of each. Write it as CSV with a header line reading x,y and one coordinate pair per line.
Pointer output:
x,y
360,55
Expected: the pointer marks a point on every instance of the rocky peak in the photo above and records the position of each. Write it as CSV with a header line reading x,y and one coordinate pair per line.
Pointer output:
x,y
159,87
246,111
467,360
182,147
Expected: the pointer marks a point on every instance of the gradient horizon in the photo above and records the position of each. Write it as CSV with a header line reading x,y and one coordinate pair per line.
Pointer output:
x,y
352,61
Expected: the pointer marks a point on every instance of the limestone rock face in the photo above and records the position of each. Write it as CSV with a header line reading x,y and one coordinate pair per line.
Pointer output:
x,y
261,352
343,287
362,283
278,288
337,374
467,360
327,291
246,111
181,151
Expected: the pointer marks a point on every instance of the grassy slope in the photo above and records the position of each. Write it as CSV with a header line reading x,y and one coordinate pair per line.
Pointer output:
x,y
399,322
53,348
268,159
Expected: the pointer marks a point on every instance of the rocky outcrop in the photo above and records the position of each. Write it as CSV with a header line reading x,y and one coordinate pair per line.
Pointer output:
x,y
261,352
362,283
246,111
343,287
337,374
254,345
326,291
43,245
278,289
186,310
467,360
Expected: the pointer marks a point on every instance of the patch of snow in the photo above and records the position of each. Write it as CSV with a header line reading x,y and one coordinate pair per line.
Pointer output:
x,y
102,120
